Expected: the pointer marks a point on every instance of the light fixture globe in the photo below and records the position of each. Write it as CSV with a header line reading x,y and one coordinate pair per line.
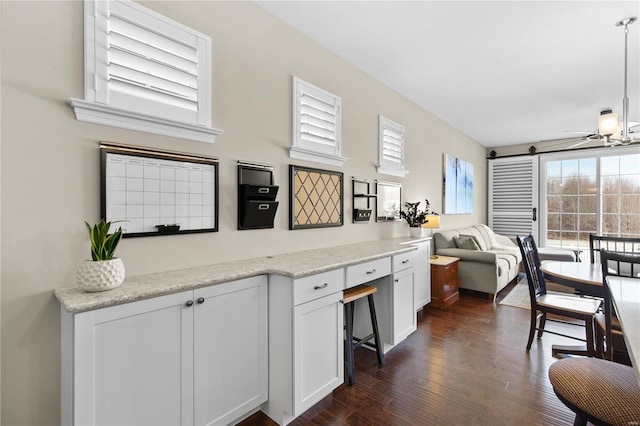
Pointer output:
x,y
607,123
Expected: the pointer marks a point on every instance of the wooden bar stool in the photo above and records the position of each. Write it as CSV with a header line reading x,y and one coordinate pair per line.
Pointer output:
x,y
349,296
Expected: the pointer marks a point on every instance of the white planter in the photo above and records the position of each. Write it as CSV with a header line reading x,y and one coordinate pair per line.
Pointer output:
x,y
417,232
100,275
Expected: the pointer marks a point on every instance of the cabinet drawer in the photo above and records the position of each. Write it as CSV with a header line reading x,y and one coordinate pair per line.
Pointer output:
x,y
405,260
318,285
368,271
451,273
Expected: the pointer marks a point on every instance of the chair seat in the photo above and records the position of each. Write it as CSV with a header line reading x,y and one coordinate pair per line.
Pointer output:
x,y
602,389
615,323
570,303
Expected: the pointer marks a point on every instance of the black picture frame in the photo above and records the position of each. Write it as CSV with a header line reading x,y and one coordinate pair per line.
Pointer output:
x,y
129,152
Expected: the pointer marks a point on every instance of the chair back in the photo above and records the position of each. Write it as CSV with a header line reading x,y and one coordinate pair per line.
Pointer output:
x,y
531,263
619,264
597,243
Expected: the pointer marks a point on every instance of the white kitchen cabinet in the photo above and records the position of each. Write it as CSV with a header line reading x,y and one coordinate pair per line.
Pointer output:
x,y
196,357
306,349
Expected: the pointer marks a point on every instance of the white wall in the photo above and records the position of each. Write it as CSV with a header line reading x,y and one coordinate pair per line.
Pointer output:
x,y
50,165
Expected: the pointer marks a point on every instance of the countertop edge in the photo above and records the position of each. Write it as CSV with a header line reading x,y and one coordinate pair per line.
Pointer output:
x,y
74,300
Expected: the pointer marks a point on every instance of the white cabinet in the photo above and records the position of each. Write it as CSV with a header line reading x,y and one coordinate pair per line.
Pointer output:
x,y
423,273
306,349
404,313
196,357
230,350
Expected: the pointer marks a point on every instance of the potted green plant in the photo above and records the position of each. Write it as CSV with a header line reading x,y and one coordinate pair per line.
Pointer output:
x,y
415,217
103,271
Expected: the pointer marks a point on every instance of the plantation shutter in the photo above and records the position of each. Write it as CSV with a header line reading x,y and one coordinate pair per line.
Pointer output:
x,y
152,65
391,140
513,196
316,120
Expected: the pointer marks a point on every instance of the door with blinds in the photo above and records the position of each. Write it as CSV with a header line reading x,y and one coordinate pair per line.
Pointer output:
x,y
513,196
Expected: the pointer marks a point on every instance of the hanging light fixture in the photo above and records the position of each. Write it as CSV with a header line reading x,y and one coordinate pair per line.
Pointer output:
x,y
613,131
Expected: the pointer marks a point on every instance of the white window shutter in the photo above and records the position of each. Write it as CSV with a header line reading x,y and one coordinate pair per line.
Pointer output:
x,y
391,147
146,72
316,124
513,196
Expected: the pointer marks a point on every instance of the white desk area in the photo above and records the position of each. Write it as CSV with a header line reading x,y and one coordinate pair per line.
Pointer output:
x,y
214,344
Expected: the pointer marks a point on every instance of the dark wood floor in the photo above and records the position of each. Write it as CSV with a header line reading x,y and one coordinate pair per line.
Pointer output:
x,y
466,365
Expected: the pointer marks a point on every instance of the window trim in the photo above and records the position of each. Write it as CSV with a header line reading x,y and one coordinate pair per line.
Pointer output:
x,y
304,151
94,108
384,167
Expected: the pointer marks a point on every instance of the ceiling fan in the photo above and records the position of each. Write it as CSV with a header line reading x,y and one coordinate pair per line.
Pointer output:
x,y
611,131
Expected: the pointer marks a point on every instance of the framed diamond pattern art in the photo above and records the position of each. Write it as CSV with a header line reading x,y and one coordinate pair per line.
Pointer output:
x,y
316,198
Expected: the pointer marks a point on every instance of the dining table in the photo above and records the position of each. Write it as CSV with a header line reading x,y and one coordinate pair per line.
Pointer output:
x,y
625,296
586,279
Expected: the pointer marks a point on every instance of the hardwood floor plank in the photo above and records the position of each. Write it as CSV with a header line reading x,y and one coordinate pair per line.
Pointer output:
x,y
465,365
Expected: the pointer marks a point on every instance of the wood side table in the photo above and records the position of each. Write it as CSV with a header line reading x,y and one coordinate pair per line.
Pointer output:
x,y
444,281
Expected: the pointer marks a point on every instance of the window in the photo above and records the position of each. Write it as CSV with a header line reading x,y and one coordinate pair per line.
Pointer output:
x,y
591,193
316,124
391,148
145,72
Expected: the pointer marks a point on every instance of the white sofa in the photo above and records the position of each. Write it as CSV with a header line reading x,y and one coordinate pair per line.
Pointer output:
x,y
487,269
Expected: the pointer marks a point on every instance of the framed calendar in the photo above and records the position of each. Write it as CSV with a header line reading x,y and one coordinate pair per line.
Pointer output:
x,y
152,192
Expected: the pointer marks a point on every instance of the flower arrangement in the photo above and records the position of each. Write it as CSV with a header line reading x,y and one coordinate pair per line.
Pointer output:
x,y
414,217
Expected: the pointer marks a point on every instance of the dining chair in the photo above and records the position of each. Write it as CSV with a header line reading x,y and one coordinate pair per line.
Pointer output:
x,y
609,337
597,243
542,303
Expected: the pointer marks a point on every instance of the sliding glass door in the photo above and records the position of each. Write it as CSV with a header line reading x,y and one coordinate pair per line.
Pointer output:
x,y
597,191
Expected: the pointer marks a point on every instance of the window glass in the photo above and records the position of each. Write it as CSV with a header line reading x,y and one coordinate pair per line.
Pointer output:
x,y
599,194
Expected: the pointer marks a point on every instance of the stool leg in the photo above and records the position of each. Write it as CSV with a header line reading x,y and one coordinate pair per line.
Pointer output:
x,y
348,343
376,332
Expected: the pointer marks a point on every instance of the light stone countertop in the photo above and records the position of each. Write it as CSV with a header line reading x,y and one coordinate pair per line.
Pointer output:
x,y
295,265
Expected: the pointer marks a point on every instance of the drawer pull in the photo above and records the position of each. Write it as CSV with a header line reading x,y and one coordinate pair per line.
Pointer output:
x,y
188,303
263,206
263,190
200,300
320,287
406,261
373,271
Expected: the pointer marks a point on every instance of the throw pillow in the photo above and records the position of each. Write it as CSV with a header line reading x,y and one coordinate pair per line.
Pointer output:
x,y
474,238
467,242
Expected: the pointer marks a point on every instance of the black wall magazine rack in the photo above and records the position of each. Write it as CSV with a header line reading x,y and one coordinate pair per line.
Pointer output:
x,y
257,203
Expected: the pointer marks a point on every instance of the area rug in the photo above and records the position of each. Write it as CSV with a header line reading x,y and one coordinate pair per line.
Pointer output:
x,y
519,294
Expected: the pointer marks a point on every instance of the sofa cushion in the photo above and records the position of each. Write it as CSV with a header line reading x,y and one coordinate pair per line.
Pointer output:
x,y
467,242
490,237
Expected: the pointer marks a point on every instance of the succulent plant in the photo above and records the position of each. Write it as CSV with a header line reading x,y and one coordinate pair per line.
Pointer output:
x,y
103,244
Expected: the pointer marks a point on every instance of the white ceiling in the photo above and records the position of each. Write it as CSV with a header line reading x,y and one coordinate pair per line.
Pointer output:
x,y
503,72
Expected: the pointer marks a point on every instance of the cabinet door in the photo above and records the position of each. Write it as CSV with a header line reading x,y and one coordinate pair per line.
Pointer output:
x,y
230,350
404,313
318,350
133,363
423,274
